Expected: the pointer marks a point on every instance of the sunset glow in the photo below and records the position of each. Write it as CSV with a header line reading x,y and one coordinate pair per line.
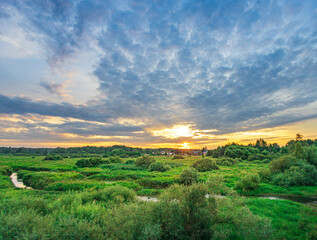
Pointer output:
x,y
148,74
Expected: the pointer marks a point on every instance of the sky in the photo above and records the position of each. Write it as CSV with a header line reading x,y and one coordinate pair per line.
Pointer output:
x,y
157,73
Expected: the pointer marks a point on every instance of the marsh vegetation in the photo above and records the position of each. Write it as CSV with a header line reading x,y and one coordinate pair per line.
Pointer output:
x,y
91,193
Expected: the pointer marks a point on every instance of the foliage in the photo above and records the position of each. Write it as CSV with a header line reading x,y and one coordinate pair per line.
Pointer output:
x,y
6,170
115,159
130,161
159,167
52,158
188,176
144,161
257,156
297,175
121,167
248,182
227,161
178,157
91,162
281,164
216,185
205,165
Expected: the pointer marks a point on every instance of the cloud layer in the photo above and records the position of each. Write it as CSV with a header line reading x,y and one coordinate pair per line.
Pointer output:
x,y
225,65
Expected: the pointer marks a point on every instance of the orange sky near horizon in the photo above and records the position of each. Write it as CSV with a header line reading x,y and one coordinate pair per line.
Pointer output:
x,y
179,136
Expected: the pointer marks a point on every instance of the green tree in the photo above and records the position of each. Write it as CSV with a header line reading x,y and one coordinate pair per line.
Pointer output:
x,y
188,176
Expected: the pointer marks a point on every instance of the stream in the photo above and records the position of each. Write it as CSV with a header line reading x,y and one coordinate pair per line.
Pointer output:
x,y
306,200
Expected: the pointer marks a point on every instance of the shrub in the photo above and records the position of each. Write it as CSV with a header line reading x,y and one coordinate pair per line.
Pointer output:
x,y
216,185
178,157
114,194
5,182
205,165
26,224
188,176
311,155
248,182
226,161
265,175
144,161
115,159
191,213
53,158
297,175
258,156
130,161
159,167
281,164
91,162
6,170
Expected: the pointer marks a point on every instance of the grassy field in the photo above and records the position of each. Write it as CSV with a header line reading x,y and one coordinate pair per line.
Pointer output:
x,y
62,175
63,193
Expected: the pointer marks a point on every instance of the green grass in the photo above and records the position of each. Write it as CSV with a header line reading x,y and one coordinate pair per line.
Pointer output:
x,y
289,219
97,176
64,196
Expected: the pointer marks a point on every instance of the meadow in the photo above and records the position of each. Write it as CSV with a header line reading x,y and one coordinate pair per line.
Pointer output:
x,y
97,198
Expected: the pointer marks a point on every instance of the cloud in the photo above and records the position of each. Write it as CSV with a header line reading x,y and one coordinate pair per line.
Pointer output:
x,y
53,88
226,65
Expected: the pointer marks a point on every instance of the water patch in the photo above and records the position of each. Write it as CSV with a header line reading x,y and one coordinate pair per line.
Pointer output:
x,y
17,182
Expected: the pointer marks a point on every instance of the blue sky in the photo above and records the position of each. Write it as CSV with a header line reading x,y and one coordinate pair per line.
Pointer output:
x,y
152,73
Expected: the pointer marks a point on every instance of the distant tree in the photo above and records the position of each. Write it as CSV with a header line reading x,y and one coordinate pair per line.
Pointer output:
x,y
261,143
299,137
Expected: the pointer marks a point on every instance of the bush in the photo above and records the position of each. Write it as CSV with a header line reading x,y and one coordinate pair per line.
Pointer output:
x,y
205,165
191,213
6,170
226,161
265,175
248,182
159,167
130,161
297,175
188,176
115,159
178,157
91,162
216,185
144,161
115,194
281,164
53,158
311,155
254,157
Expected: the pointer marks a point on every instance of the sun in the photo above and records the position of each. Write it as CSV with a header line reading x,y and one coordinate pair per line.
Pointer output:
x,y
175,132
185,145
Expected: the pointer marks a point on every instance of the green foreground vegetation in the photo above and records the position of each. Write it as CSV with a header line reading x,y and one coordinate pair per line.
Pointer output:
x,y
94,196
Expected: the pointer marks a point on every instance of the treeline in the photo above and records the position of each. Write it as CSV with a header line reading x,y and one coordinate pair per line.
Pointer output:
x,y
261,150
90,151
